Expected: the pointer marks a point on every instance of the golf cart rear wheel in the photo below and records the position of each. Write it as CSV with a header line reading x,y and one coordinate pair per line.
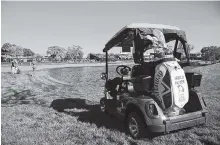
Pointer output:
x,y
102,106
135,125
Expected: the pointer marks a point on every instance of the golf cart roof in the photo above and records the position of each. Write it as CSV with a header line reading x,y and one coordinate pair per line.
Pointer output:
x,y
147,25
125,36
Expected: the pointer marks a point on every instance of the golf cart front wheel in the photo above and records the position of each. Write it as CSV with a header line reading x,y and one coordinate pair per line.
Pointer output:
x,y
135,125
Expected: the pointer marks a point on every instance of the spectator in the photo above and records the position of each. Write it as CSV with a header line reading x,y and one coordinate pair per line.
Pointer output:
x,y
13,70
33,66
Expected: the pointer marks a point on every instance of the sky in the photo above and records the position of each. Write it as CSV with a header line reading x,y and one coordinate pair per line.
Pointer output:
x,y
39,25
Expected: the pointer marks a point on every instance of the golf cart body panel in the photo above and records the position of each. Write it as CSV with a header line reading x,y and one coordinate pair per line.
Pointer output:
x,y
160,123
179,122
140,103
193,118
138,98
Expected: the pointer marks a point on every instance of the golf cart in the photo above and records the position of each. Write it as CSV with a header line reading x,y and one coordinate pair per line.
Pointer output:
x,y
153,96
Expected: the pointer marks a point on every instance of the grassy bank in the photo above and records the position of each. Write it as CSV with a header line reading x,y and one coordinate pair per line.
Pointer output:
x,y
28,119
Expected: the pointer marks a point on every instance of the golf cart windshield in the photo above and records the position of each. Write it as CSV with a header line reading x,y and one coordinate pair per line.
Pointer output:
x,y
143,37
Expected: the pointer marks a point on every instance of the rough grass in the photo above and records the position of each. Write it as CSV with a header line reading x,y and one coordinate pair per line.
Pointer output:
x,y
28,119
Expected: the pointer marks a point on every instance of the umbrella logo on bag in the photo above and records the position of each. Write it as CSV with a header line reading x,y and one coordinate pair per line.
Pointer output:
x,y
180,88
181,93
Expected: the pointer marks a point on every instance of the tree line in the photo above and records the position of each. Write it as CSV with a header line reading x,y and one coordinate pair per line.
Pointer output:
x,y
75,52
54,53
15,50
211,53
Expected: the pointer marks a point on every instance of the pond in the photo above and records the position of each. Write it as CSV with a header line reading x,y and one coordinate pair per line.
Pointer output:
x,y
84,81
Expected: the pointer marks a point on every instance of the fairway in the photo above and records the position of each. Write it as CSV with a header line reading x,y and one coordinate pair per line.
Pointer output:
x,y
28,119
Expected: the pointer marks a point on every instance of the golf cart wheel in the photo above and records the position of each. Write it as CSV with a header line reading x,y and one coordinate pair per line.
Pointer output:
x,y
102,106
135,125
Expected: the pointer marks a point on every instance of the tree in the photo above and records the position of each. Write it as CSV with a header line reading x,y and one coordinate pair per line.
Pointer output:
x,y
5,48
56,53
92,56
38,57
74,52
191,47
210,53
12,50
111,56
18,51
27,52
9,49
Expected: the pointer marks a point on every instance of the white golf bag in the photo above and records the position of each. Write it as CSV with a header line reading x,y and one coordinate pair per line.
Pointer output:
x,y
170,87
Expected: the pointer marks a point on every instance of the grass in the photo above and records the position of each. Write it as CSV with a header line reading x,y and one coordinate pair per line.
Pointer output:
x,y
28,119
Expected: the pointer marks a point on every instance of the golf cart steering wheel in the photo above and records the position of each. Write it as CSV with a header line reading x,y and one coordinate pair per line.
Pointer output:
x,y
123,70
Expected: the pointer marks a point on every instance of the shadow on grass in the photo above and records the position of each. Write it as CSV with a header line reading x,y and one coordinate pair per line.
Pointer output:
x,y
13,97
91,113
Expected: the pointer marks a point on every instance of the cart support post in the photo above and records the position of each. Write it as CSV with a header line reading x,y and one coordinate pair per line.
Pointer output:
x,y
106,66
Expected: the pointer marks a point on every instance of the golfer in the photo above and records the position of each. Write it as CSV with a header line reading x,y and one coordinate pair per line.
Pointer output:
x,y
33,66
13,69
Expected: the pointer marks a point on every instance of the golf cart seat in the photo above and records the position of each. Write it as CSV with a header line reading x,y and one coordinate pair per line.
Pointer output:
x,y
147,68
141,78
142,83
112,84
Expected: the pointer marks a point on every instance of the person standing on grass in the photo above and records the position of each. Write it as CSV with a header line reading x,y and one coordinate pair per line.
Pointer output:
x,y
13,67
33,66
17,70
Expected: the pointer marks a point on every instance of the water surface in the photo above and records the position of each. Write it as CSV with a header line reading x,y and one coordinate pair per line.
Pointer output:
x,y
83,81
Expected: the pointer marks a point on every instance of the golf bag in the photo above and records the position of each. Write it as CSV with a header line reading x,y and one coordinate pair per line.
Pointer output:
x,y
170,87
